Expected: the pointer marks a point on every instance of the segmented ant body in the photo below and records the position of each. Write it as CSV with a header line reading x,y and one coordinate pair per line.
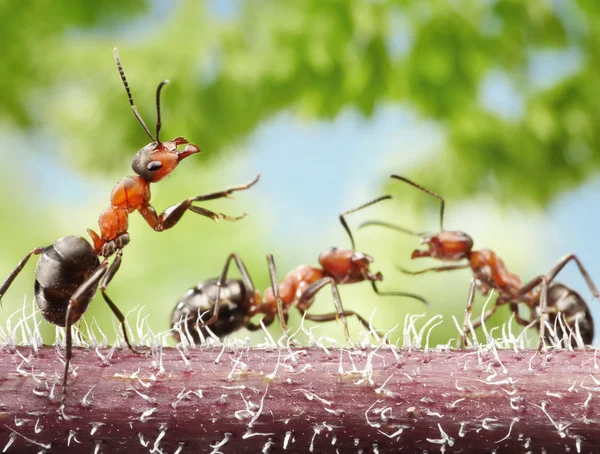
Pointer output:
x,y
69,271
543,296
234,302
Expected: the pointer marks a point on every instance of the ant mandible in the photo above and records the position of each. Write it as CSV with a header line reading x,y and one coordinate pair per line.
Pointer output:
x,y
69,271
235,302
541,294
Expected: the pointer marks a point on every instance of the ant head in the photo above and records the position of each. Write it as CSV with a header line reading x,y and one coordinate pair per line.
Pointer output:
x,y
446,245
157,160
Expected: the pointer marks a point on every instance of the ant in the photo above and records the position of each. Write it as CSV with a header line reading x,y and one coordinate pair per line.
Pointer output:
x,y
544,297
69,271
234,302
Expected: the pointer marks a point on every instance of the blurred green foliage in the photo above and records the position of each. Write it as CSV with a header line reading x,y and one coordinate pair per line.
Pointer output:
x,y
234,70
317,58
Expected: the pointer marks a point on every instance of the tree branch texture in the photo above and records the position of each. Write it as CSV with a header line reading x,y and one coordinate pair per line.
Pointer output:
x,y
242,399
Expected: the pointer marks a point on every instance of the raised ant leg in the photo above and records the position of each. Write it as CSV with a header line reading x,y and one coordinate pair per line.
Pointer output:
x,y
17,270
275,287
436,269
170,216
407,294
112,270
310,293
221,283
514,308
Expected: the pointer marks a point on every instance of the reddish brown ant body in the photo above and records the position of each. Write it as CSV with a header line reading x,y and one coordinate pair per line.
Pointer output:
x,y
234,302
542,295
69,271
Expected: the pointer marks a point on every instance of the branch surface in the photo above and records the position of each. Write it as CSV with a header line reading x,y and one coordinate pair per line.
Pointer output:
x,y
251,400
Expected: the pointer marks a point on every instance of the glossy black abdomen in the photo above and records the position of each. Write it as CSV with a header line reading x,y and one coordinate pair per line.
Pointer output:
x,y
61,269
200,302
562,299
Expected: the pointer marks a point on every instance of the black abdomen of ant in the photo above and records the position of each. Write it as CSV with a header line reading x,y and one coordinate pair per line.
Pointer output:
x,y
576,313
197,306
61,270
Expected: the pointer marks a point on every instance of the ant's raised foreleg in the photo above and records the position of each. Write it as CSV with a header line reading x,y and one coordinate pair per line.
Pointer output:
x,y
17,270
112,270
173,214
249,286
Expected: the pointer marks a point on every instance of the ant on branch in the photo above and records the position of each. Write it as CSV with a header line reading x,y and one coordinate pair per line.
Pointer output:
x,y
542,295
69,271
234,302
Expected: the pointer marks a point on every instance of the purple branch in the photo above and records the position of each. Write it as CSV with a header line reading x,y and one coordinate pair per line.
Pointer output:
x,y
256,400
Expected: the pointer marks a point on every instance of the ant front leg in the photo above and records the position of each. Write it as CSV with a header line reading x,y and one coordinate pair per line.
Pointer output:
x,y
17,270
275,287
173,214
221,283
309,294
434,269
112,270
468,312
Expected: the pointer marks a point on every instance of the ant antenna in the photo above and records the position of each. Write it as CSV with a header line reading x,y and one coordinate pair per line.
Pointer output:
x,y
135,111
412,183
343,221
158,122
389,225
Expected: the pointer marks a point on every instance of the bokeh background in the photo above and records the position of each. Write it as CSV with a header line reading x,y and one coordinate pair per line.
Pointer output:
x,y
494,104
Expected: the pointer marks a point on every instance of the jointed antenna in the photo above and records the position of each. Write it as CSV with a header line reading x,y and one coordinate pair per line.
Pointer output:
x,y
343,221
389,225
158,122
135,111
412,183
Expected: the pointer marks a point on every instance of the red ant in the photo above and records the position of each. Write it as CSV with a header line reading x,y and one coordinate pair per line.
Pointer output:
x,y
69,271
541,294
235,302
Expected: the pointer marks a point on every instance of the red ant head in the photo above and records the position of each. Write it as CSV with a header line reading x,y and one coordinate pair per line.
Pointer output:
x,y
347,266
446,245
157,160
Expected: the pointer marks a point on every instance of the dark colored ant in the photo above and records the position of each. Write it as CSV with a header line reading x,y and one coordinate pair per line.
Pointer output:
x,y
235,302
69,271
543,296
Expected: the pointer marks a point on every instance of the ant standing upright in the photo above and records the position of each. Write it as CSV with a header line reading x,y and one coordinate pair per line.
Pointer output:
x,y
235,302
542,295
69,271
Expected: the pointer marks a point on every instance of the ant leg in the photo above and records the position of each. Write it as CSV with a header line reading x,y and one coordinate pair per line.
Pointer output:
x,y
407,294
543,314
221,283
171,216
435,269
17,270
275,287
555,270
514,308
314,288
468,312
81,291
112,270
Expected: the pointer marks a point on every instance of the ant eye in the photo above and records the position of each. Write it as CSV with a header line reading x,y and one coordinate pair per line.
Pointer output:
x,y
154,165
